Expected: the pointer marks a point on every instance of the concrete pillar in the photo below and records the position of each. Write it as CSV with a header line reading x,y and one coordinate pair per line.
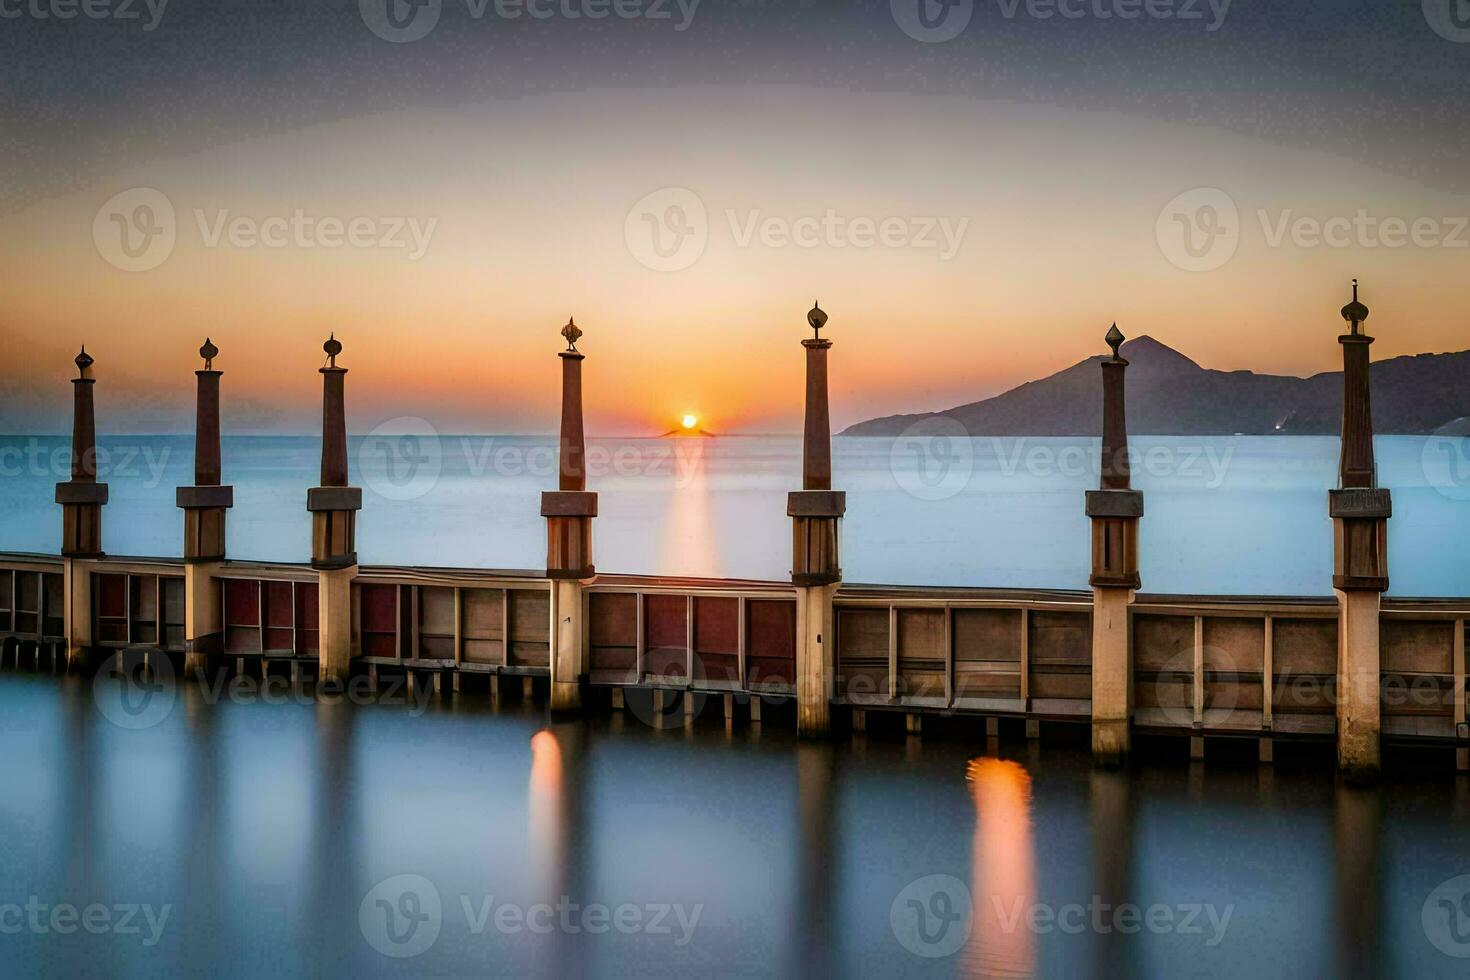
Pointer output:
x,y
816,569
334,506
334,624
204,505
814,659
568,659
1114,509
81,499
569,511
76,581
1360,511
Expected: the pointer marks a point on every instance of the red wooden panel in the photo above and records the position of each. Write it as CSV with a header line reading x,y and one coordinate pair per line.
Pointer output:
x,y
771,641
278,604
242,602
379,608
613,619
7,584
716,625
112,592
306,605
666,635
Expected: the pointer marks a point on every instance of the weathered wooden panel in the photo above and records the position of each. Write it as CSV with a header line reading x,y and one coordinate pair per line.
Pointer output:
x,y
54,612
1057,684
612,628
1163,643
483,612
308,612
717,639
242,616
7,595
280,633
987,634
922,655
1234,643
379,620
530,627
666,635
770,634
862,654
1305,646
1060,637
1417,646
436,623
109,597
1233,693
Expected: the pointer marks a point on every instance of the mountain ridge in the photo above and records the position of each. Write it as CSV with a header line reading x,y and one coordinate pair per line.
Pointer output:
x,y
1171,394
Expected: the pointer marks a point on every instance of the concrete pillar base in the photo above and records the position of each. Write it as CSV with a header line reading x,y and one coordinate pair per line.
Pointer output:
x,y
992,727
859,720
1266,751
334,623
755,709
1358,699
203,631
914,724
76,583
814,620
1112,687
569,654
1033,728
1196,748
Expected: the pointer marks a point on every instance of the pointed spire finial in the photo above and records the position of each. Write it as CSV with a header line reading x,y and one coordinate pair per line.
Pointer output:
x,y
573,333
1355,312
816,319
333,347
1115,340
209,352
83,362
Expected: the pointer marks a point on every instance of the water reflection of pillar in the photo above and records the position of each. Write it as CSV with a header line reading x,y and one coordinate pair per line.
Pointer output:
x,y
690,544
200,813
1356,819
334,832
1003,871
555,811
1110,808
815,802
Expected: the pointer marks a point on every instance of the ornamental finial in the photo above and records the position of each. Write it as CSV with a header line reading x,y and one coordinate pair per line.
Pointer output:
x,y
333,347
1355,312
1115,340
573,333
817,319
209,352
83,363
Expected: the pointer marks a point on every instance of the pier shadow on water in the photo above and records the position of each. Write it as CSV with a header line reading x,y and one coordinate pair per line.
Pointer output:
x,y
244,838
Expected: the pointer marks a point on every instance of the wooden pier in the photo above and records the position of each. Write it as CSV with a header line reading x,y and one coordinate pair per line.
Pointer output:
x,y
1346,667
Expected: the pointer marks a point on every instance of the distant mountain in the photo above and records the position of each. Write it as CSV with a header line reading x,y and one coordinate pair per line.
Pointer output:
x,y
1168,394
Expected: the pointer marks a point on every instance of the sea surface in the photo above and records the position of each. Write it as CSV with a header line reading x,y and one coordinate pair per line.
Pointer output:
x,y
1226,515
290,837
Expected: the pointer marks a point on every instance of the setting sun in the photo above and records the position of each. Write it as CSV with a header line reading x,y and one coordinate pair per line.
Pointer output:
x,y
689,421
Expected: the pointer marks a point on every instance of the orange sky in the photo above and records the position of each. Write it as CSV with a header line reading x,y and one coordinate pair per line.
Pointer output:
x,y
530,200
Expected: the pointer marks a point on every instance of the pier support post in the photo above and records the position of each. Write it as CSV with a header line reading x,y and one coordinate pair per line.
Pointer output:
x,y
569,511
204,505
334,506
816,570
81,499
1114,509
1360,512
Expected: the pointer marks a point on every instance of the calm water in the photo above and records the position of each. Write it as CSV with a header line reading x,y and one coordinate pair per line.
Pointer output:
x,y
261,837
1244,515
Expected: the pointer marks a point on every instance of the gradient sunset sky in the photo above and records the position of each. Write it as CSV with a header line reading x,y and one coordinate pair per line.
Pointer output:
x,y
536,149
